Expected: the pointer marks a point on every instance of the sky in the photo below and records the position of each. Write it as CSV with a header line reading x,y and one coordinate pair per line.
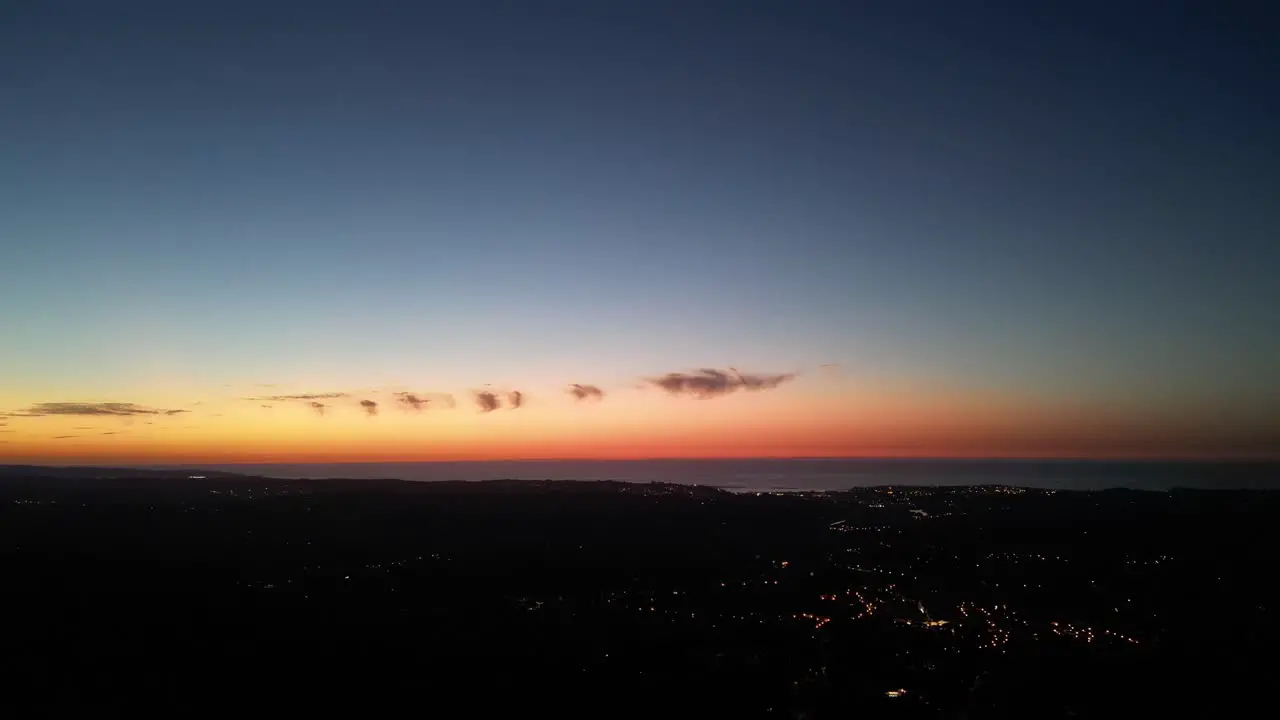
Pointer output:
x,y
891,228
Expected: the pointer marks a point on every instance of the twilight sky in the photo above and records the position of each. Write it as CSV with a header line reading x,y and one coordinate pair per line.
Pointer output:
x,y
968,228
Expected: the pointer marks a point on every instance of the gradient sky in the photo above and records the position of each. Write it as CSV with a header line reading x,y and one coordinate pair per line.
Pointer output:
x,y
1018,228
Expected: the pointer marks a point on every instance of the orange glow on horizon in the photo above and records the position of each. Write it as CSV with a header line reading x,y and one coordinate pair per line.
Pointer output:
x,y
781,424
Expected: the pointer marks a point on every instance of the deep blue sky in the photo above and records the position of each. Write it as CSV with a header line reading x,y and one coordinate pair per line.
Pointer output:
x,y
1069,198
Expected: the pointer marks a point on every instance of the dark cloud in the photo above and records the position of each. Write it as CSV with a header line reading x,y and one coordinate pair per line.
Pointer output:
x,y
319,407
370,407
704,383
764,382
711,383
302,397
420,401
487,401
410,401
515,399
64,437
585,392
112,409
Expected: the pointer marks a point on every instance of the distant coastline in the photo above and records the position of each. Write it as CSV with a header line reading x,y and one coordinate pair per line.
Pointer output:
x,y
799,474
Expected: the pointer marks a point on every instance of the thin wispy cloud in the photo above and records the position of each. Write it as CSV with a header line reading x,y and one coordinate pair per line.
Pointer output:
x,y
831,371
302,397
763,382
319,407
586,392
711,383
64,437
370,407
81,409
421,401
110,432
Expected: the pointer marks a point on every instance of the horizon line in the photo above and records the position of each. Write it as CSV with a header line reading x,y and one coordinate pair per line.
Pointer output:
x,y
1143,459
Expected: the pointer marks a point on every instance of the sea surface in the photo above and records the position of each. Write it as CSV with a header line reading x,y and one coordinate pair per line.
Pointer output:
x,y
807,474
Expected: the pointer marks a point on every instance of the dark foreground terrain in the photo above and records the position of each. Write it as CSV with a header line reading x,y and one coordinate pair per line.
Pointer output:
x,y
160,594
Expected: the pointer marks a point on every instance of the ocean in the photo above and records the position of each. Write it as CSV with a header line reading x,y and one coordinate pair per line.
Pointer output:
x,y
807,474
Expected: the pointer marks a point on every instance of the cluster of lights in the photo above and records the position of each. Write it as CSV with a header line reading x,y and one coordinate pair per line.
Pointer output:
x,y
1014,556
818,620
868,607
1086,633
1003,490
999,636
861,528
